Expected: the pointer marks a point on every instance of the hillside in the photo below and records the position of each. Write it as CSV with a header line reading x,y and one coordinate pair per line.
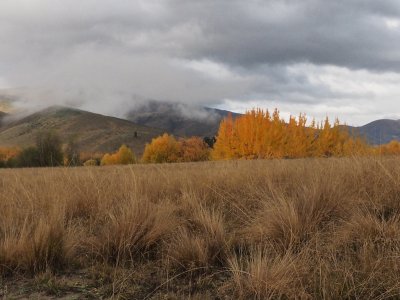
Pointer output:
x,y
99,133
380,131
2,116
186,120
179,119
6,103
94,132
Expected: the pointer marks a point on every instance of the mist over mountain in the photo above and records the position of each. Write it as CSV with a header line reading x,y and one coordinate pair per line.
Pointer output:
x,y
188,120
100,133
335,58
179,119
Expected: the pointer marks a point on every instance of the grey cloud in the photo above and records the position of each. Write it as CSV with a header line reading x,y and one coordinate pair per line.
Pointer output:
x,y
245,33
109,55
346,33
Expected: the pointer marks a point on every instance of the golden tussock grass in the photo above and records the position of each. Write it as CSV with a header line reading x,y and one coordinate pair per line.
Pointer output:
x,y
309,229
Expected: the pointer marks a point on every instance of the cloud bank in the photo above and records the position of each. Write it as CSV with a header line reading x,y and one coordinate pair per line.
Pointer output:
x,y
337,58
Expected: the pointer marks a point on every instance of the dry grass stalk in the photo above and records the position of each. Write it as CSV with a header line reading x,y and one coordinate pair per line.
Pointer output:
x,y
312,228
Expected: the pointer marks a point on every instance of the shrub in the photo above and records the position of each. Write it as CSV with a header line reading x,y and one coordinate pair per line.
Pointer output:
x,y
90,162
36,249
7,157
393,148
163,149
194,149
124,156
72,153
134,228
28,157
202,244
166,149
263,275
48,144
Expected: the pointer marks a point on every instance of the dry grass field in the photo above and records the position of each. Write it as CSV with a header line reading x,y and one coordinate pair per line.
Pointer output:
x,y
307,229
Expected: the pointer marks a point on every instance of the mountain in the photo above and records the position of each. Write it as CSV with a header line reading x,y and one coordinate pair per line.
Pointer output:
x,y
186,120
93,132
380,131
179,119
98,133
2,116
6,104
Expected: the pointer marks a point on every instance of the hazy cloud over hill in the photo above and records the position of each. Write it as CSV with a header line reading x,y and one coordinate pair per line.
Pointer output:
x,y
335,57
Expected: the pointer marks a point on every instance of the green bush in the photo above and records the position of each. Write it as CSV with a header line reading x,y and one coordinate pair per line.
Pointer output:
x,y
91,162
49,145
28,157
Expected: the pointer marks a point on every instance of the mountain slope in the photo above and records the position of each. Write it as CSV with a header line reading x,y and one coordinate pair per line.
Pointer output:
x,y
186,120
99,133
2,116
380,131
93,132
179,119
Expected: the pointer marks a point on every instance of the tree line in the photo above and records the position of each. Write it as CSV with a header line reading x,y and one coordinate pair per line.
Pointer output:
x,y
261,134
49,151
257,134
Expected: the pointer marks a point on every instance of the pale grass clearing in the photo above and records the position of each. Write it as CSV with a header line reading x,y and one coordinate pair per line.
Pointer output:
x,y
309,229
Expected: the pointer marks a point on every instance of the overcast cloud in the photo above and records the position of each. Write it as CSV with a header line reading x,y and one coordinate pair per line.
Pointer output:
x,y
337,58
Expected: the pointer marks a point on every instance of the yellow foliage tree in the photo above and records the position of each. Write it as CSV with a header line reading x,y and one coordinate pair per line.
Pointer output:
x,y
392,148
163,149
7,153
124,156
90,163
166,149
223,149
258,134
194,149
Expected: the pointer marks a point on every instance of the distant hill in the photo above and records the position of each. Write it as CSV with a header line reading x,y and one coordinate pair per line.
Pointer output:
x,y
380,131
179,119
2,116
99,133
186,120
93,132
6,105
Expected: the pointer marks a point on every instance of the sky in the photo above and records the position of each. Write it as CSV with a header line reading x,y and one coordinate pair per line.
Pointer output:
x,y
324,58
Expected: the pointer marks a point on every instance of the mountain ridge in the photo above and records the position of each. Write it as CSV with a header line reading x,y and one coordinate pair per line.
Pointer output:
x,y
380,131
179,119
100,133
93,132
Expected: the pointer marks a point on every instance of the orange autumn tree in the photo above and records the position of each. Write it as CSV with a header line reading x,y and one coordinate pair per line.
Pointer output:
x,y
298,138
93,158
224,148
124,156
259,134
335,140
163,149
167,149
392,148
7,154
193,149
